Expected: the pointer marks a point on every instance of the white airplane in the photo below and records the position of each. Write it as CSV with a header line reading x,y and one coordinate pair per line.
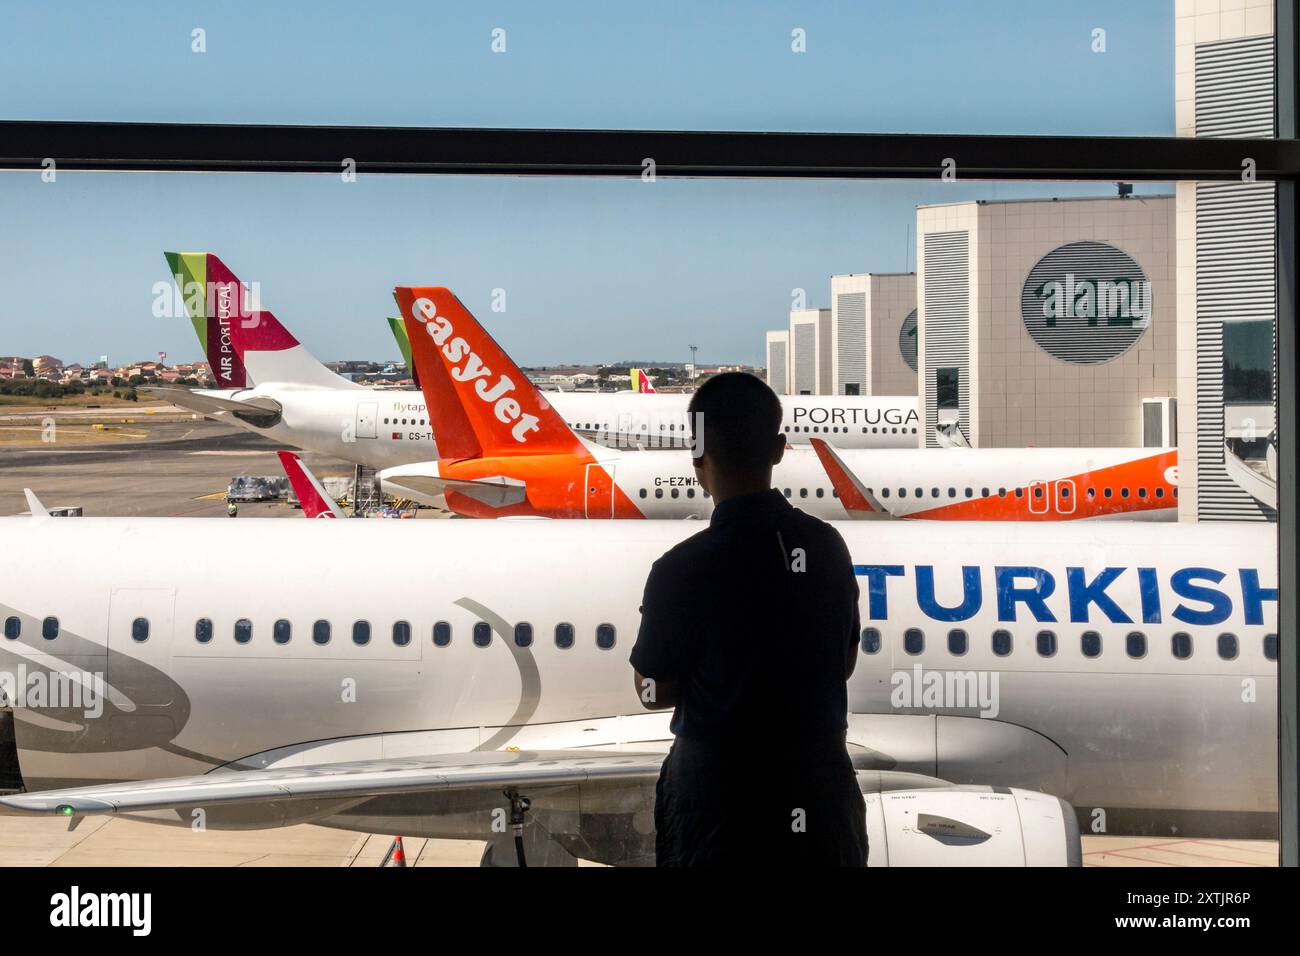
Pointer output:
x,y
506,451
1123,672
273,386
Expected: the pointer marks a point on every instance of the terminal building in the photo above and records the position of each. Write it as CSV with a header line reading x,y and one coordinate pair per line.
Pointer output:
x,y
873,334
810,352
777,352
1047,322
1226,305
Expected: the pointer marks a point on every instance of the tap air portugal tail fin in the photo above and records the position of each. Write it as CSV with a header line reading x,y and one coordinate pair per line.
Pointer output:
x,y
404,345
480,403
245,344
641,381
311,494
857,500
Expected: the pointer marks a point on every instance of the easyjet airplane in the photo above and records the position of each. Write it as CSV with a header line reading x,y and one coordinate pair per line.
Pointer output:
x,y
271,385
311,494
1010,688
506,451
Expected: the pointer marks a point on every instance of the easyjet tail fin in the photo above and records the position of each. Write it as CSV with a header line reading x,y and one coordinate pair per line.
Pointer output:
x,y
245,345
480,403
311,494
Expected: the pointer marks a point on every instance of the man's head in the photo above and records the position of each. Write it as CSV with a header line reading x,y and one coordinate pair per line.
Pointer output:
x,y
736,424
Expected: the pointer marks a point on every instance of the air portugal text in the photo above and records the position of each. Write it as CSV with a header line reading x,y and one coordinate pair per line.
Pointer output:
x,y
457,351
1198,596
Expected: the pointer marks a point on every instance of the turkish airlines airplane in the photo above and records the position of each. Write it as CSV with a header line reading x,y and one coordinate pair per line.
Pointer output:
x,y
1010,688
506,451
273,386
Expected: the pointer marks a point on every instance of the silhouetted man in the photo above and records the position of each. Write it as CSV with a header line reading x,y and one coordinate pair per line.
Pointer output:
x,y
749,629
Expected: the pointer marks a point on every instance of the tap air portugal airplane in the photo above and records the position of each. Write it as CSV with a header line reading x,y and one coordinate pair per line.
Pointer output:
x,y
1120,675
270,384
506,451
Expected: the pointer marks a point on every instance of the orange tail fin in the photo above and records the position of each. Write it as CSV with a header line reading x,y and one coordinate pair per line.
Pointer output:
x,y
480,403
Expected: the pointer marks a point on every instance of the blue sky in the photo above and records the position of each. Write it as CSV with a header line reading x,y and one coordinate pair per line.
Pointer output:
x,y
592,270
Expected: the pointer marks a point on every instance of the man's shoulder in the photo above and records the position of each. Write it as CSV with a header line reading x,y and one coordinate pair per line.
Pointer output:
x,y
822,531
685,552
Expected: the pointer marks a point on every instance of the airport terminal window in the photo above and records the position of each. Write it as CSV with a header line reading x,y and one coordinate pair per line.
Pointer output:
x,y
605,636
203,630
1270,647
140,629
1090,643
564,635
1181,645
482,633
1136,644
441,634
1228,647
281,631
914,640
401,633
1047,643
870,640
524,634
320,632
360,632
1001,642
13,628
957,641
243,631
50,628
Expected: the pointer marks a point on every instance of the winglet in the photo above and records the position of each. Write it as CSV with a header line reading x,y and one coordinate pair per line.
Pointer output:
x,y
38,510
480,403
857,500
315,501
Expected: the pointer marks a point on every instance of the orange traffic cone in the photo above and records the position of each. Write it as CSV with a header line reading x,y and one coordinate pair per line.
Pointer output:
x,y
396,855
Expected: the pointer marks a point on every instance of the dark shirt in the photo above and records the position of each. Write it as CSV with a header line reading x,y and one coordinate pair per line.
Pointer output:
x,y
754,617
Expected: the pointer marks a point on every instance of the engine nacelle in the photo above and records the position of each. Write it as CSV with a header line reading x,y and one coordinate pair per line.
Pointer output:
x,y
971,826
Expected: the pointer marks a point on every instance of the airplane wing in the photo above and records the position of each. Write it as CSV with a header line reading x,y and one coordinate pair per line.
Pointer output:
x,y
256,409
495,491
359,779
858,501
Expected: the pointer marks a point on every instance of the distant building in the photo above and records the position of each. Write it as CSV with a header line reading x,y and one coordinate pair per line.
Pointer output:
x,y
810,352
874,333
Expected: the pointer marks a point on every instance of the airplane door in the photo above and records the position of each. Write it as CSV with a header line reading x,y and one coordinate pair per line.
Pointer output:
x,y
1038,497
1065,502
368,420
599,486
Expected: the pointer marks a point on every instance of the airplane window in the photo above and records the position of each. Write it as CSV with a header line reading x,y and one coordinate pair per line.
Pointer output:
x,y
1123,492
1001,642
902,492
920,492
1228,646
884,492
1136,644
441,634
969,493
1038,492
320,632
834,493
361,633
821,493
803,492
50,628
870,640
605,636
690,492
1020,492
401,633
564,635
1092,493
1175,492
643,492
1181,645
706,494
676,492
864,429
957,641
914,640
1142,492
482,634
1065,491
659,492
13,627
243,631
934,492
281,631
524,634
1047,643
1160,492
1002,492
787,428
787,492
984,492
874,430
203,630
1106,493
893,431
1090,643
1270,647
140,629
